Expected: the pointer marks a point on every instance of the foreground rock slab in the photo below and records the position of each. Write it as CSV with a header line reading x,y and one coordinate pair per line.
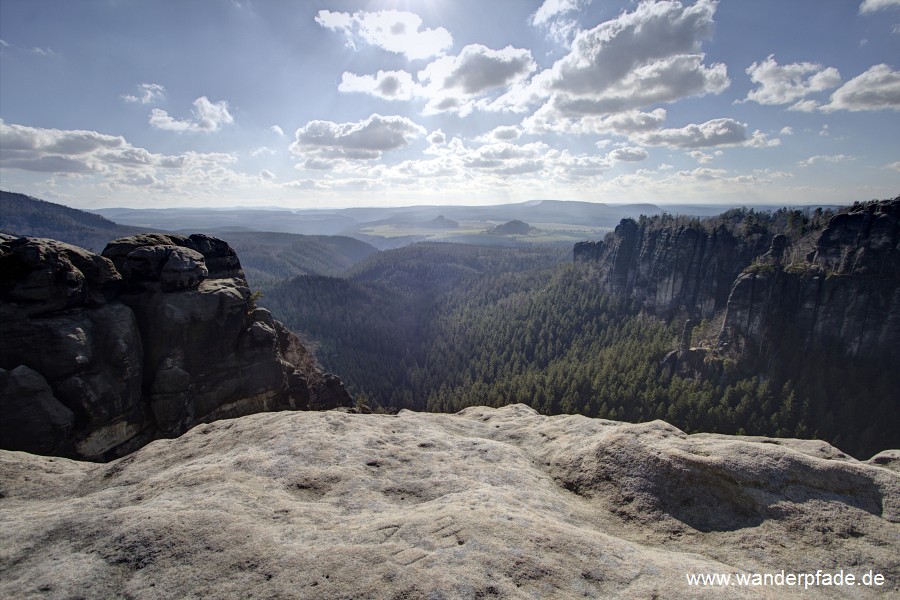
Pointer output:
x,y
485,503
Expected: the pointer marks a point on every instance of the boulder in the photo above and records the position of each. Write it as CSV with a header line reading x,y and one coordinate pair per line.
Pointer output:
x,y
219,258
587,251
39,276
174,267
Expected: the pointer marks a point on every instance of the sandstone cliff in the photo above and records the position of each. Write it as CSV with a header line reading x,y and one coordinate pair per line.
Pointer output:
x,y
101,354
499,503
846,292
671,267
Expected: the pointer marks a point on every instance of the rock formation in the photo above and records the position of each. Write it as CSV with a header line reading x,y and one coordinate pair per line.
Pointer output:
x,y
487,503
101,354
587,251
664,269
846,293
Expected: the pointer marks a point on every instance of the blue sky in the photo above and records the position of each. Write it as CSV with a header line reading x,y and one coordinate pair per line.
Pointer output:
x,y
378,103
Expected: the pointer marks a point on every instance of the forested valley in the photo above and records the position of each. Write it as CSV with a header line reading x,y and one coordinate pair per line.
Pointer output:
x,y
439,327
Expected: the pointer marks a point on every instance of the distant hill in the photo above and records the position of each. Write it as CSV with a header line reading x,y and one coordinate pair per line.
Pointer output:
x,y
265,256
26,216
392,227
441,222
257,219
514,227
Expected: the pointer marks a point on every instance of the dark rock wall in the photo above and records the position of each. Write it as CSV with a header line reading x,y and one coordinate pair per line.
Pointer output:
x,y
847,292
587,251
665,269
101,354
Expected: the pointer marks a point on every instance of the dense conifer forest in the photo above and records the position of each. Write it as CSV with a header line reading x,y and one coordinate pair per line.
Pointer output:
x,y
440,327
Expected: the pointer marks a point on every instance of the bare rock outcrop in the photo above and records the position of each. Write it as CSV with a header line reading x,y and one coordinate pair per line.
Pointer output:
x,y
158,334
498,503
40,276
667,268
846,293
33,418
60,319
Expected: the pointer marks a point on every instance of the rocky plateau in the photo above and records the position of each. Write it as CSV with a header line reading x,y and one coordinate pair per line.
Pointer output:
x,y
486,503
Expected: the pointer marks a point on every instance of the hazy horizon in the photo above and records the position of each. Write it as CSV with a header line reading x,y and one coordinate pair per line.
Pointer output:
x,y
395,103
661,205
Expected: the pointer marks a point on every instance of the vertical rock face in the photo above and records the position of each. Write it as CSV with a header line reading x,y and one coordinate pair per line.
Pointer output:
x,y
847,291
667,268
158,334
587,251
60,320
33,419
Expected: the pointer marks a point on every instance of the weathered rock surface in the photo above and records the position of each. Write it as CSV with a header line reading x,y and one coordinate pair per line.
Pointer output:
x,y
133,256
486,503
41,276
150,339
847,293
33,419
664,269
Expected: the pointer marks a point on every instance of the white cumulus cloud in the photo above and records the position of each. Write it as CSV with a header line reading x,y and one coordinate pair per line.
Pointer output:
x,y
207,117
628,154
55,150
649,56
554,16
831,158
451,83
147,93
784,84
552,9
478,69
437,137
869,6
804,106
112,162
503,133
361,140
392,30
876,89
716,132
546,120
390,85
